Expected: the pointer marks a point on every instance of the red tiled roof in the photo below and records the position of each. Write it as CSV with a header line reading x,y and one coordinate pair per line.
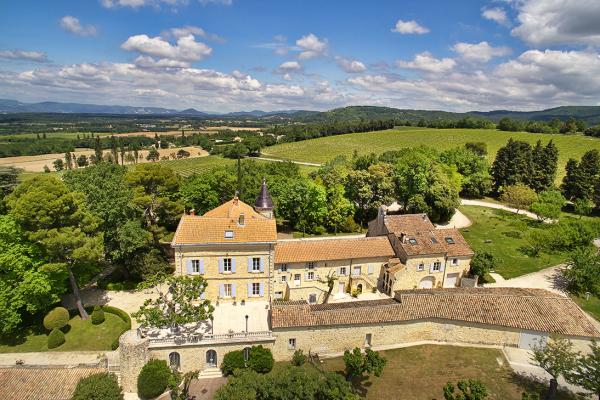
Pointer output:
x,y
407,223
288,251
531,309
437,241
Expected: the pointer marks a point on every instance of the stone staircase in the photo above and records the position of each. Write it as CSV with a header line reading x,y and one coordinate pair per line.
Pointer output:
x,y
209,373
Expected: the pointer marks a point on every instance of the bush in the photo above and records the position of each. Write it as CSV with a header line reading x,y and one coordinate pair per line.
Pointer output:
x,y
154,378
101,386
261,359
232,361
97,316
482,263
56,319
124,316
299,358
55,338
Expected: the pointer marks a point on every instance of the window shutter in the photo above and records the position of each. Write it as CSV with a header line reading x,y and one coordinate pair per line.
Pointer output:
x,y
233,290
262,289
431,268
189,266
371,269
220,265
250,290
233,264
202,266
221,290
262,264
203,295
442,267
249,264
306,276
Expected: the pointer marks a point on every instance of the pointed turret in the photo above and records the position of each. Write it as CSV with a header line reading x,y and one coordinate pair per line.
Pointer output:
x,y
264,203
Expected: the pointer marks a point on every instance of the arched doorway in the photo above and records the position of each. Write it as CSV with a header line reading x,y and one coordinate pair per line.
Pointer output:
x,y
211,359
174,360
359,288
427,282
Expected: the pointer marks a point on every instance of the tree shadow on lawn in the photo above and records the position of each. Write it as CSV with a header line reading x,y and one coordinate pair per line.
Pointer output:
x,y
361,384
532,384
32,325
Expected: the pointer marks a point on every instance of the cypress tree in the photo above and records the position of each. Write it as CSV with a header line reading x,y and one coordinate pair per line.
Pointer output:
x,y
513,164
582,177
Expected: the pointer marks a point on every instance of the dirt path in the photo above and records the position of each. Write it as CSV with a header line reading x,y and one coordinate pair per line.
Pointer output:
x,y
458,221
481,203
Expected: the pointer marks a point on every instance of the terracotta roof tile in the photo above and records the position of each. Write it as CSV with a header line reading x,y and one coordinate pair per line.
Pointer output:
x,y
436,241
211,227
407,223
305,250
41,383
531,309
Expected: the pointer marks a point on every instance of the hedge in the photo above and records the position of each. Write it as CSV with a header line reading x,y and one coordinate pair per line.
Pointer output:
x,y
101,386
55,338
261,359
153,379
124,316
232,361
57,318
98,316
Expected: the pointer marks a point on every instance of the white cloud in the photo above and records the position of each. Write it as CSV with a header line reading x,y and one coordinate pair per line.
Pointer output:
x,y
547,22
290,66
192,30
479,52
72,24
311,47
496,14
186,49
223,2
409,27
350,66
140,3
427,63
24,55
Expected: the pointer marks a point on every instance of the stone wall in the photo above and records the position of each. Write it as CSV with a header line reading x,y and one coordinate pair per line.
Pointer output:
x,y
133,355
410,277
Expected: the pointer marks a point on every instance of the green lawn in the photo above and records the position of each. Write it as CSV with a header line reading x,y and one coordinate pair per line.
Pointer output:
x,y
503,231
323,149
420,373
591,306
81,336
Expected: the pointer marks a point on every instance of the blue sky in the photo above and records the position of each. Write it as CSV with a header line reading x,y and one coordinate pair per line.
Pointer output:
x,y
226,55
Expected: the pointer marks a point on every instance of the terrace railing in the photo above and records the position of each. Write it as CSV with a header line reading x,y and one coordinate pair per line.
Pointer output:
x,y
207,338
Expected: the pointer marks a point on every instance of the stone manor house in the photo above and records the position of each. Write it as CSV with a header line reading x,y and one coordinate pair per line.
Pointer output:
x,y
409,278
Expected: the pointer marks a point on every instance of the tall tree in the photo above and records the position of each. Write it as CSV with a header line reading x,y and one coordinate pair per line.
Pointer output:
x,y
587,370
513,164
304,205
557,358
544,166
518,196
581,177
58,220
97,150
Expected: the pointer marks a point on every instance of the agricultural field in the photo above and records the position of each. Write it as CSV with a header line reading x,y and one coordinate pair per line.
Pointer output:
x,y
324,149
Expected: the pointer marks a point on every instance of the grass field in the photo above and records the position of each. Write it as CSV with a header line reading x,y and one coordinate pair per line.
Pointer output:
x,y
81,336
323,149
504,233
420,373
591,305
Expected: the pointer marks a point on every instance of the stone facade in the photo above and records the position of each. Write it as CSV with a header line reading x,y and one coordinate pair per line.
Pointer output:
x,y
133,355
250,264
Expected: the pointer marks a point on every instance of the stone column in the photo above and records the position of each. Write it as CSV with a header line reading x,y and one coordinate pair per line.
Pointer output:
x,y
133,355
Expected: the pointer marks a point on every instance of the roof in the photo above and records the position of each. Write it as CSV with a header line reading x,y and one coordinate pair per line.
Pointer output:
x,y
305,250
264,201
436,241
41,383
529,309
211,227
407,223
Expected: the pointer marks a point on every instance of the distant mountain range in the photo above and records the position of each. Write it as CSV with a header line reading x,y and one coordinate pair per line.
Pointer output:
x,y
590,114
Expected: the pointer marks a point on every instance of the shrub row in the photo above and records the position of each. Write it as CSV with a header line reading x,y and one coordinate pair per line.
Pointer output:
x,y
124,316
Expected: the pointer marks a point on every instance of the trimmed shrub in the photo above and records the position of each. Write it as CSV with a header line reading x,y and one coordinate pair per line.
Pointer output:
x,y
261,359
124,316
154,378
299,358
97,316
56,318
55,338
101,386
232,361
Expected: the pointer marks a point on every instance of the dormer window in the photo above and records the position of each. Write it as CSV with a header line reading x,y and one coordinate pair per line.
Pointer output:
x,y
412,241
449,240
228,234
241,220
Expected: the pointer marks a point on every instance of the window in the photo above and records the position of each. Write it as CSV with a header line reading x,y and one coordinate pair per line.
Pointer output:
x,y
227,292
227,264
437,266
278,295
412,241
256,264
283,267
241,220
196,266
312,298
368,338
255,289
449,240
283,278
174,360
310,265
310,276
228,234
292,343
356,270
455,261
421,267
343,271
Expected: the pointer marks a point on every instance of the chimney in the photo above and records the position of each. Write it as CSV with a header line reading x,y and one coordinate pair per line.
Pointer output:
x,y
192,212
403,237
